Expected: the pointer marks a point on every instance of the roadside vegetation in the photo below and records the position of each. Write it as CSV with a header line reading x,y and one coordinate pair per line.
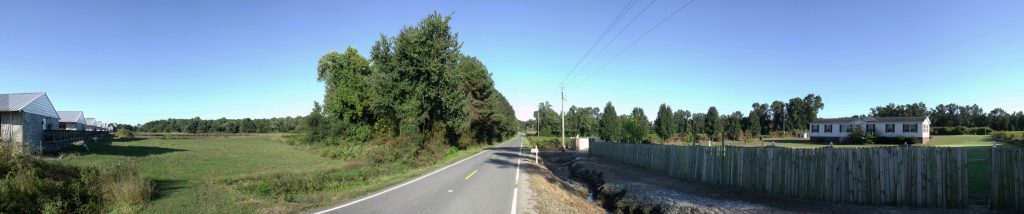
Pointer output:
x,y
416,98
31,185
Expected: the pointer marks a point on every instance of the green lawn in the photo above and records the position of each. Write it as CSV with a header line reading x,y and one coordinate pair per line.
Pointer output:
x,y
191,174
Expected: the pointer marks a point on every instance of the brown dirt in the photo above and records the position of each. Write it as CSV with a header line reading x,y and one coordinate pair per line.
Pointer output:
x,y
550,194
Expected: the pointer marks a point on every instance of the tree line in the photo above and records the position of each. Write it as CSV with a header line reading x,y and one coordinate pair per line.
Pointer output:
x,y
953,115
222,125
764,118
416,93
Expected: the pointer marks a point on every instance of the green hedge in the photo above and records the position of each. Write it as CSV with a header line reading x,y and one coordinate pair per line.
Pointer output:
x,y
1009,136
896,140
961,130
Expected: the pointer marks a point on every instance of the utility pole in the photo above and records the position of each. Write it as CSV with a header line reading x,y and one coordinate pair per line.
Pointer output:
x,y
562,111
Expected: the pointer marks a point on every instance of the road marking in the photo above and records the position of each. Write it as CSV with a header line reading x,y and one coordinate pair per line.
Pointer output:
x,y
515,193
449,190
519,160
470,175
399,186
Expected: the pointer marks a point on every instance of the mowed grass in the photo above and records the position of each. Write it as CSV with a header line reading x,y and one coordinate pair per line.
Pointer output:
x,y
978,151
195,175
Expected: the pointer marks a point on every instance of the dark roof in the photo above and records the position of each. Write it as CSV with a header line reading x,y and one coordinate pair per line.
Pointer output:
x,y
835,120
901,119
870,119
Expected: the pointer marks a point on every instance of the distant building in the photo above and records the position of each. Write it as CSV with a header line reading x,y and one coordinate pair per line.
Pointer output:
x,y
90,124
838,129
72,120
24,116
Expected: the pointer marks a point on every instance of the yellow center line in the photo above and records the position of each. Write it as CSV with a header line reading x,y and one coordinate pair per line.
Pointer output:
x,y
470,175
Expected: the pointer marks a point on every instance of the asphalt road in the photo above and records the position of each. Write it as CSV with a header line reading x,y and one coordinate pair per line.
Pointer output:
x,y
483,183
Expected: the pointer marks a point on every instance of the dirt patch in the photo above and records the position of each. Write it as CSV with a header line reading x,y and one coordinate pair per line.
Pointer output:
x,y
621,188
553,194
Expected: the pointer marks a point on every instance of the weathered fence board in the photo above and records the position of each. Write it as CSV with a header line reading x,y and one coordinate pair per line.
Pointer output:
x,y
1007,179
894,176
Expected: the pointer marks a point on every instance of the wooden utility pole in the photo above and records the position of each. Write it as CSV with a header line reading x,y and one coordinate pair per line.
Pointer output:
x,y
562,111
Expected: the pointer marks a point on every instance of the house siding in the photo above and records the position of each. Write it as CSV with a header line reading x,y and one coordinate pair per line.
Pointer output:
x,y
922,133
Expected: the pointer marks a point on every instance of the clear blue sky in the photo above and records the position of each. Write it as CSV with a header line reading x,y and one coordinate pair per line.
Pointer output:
x,y
135,61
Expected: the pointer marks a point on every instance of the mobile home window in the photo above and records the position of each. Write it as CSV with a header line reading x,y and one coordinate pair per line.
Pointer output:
x,y
842,128
909,127
814,128
848,128
870,128
828,128
890,128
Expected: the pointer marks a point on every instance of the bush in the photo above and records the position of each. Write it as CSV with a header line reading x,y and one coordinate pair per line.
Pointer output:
x,y
1008,136
961,130
124,133
546,143
897,140
29,185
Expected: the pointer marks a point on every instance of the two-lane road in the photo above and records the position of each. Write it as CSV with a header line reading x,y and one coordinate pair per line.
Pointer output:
x,y
483,183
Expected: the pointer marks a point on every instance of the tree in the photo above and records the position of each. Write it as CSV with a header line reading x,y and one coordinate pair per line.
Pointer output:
x,y
682,119
893,110
665,124
778,109
636,126
714,123
734,129
550,123
754,119
611,127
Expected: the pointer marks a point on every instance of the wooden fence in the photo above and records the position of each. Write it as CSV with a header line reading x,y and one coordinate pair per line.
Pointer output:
x,y
894,176
1007,179
54,140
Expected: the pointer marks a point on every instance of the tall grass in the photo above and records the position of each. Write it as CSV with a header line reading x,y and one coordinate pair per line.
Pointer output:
x,y
30,185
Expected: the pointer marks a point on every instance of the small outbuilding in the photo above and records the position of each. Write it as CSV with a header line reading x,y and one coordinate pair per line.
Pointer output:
x,y
24,117
582,143
72,120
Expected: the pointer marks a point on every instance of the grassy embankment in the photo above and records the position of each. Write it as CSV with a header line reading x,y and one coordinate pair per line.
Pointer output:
x,y
29,184
246,174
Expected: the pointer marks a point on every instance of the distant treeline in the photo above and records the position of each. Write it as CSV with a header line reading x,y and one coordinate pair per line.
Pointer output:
x,y
416,96
775,118
223,125
953,115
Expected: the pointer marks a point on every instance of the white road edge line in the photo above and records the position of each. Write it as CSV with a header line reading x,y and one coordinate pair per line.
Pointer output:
x,y
399,186
515,192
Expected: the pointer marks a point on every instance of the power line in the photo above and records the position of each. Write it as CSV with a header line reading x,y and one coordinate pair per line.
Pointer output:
x,y
607,29
684,6
617,34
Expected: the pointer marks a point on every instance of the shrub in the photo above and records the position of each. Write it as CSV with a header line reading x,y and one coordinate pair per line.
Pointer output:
x,y
30,185
896,140
1008,136
546,143
124,133
858,136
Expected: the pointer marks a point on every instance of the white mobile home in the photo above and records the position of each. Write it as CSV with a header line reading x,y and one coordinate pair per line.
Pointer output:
x,y
838,129
24,116
72,120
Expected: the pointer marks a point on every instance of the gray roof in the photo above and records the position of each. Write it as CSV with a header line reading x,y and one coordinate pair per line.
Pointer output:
x,y
36,103
90,121
870,119
901,119
71,116
835,120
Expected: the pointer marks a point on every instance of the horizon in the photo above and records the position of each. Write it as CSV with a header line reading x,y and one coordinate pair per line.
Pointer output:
x,y
222,60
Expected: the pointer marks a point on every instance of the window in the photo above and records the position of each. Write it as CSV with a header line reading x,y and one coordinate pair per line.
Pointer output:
x,y
842,128
828,128
890,128
814,128
870,128
848,128
909,127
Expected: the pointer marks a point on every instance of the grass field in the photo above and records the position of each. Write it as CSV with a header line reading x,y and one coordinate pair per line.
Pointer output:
x,y
192,175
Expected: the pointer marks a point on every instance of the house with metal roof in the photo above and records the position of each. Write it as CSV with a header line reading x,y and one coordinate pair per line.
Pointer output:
x,y
25,116
838,130
72,120
90,124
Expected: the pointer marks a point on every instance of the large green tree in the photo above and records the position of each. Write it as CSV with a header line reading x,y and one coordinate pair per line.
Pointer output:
x,y
714,124
664,124
610,124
